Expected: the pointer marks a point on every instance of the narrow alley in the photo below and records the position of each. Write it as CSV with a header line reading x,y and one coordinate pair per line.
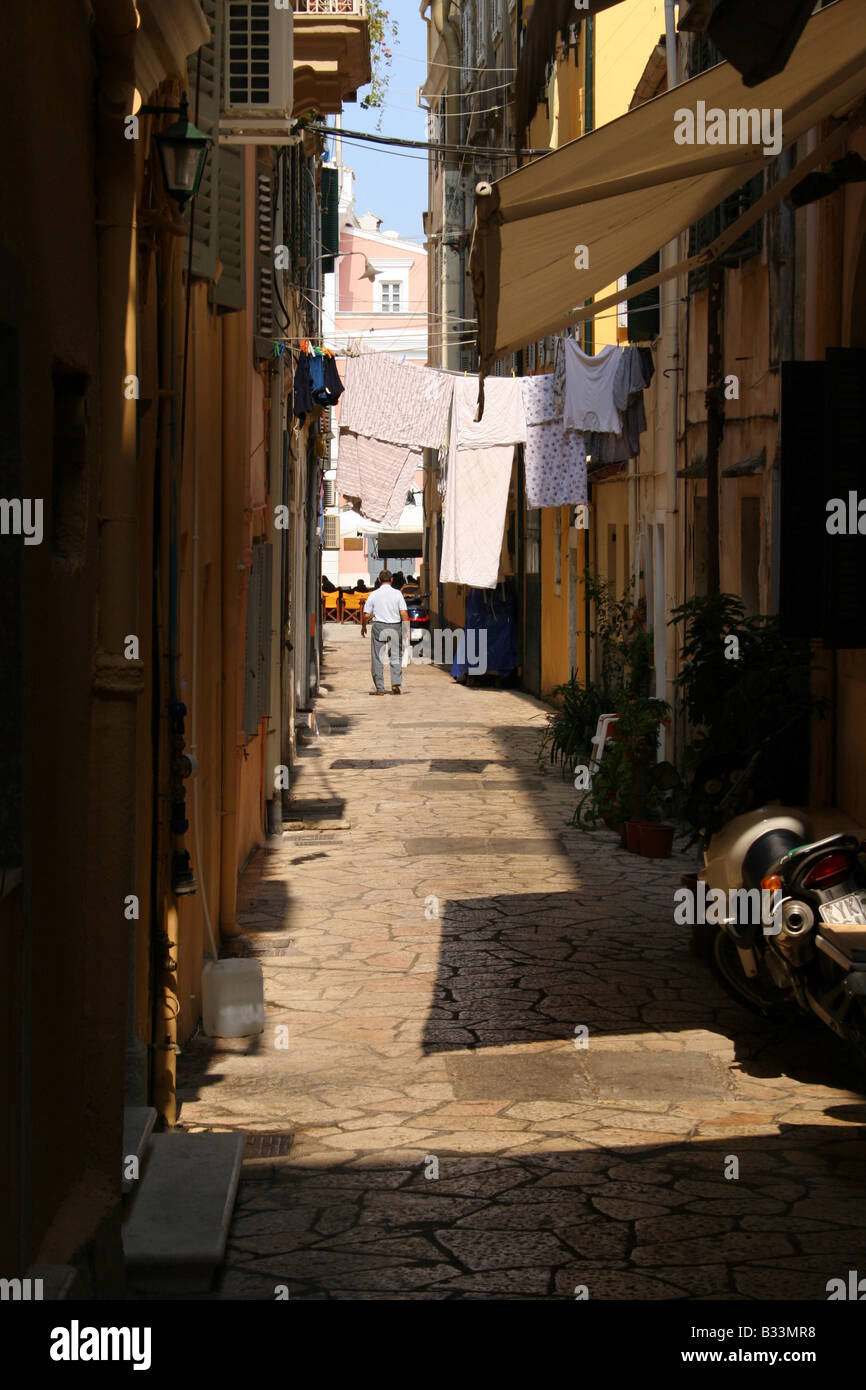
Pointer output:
x,y
491,1068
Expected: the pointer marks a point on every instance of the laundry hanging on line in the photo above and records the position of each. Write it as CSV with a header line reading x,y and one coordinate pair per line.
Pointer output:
x,y
390,412
376,474
316,382
634,373
479,477
589,402
400,404
554,457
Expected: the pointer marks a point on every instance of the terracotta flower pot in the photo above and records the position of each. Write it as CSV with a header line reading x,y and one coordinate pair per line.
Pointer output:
x,y
632,836
656,841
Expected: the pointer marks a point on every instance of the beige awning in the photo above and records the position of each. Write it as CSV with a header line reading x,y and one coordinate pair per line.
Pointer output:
x,y
627,189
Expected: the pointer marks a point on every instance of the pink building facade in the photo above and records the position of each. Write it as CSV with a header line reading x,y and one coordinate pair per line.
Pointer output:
x,y
386,314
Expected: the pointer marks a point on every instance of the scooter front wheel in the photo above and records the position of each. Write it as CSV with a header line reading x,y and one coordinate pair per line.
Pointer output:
x,y
761,995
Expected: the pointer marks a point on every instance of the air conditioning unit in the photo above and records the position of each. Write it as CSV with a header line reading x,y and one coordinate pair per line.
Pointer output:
x,y
257,73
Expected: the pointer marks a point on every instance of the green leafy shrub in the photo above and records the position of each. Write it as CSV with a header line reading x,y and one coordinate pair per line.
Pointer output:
x,y
748,714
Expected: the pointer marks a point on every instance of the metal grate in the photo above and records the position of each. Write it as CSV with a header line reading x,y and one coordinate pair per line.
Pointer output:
x,y
249,53
273,1145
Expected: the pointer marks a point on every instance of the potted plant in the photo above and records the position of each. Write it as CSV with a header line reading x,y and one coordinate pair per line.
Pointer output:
x,y
628,788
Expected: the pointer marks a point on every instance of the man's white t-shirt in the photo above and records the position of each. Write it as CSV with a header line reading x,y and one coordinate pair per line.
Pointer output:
x,y
386,604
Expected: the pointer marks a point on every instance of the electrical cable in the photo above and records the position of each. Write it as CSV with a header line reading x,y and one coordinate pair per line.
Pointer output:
x,y
484,152
452,67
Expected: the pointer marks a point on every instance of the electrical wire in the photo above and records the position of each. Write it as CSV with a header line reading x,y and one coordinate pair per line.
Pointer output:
x,y
398,154
484,152
452,67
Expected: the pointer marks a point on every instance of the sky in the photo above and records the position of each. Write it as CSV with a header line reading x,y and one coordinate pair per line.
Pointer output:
x,y
392,185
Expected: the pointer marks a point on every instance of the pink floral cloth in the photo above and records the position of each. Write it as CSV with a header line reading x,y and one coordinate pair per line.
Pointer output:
x,y
378,474
400,404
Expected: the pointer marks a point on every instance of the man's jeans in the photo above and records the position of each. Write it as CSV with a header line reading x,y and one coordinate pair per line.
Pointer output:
x,y
386,645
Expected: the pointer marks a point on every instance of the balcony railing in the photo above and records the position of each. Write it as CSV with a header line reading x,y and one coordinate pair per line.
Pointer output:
x,y
335,7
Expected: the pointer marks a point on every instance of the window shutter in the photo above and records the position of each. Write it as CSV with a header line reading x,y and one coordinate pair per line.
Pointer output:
x,y
330,492
330,219
265,322
228,292
331,539
467,18
204,241
643,310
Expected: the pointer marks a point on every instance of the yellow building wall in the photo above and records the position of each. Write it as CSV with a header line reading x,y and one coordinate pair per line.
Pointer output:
x,y
625,36
554,605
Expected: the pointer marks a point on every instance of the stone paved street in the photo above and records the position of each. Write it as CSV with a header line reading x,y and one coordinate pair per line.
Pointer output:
x,y
419,1042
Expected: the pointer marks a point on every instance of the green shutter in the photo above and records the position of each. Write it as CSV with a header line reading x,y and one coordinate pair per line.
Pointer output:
x,y
643,310
265,295
228,292
330,219
203,208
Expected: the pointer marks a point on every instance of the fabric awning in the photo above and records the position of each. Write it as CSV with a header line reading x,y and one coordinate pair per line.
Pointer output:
x,y
628,188
401,543
410,523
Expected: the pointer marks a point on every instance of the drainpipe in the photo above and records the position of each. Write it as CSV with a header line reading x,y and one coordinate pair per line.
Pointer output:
x,y
447,31
233,579
274,730
116,681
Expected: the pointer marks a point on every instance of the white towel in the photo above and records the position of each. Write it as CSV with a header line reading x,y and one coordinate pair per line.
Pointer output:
x,y
475,507
479,476
504,421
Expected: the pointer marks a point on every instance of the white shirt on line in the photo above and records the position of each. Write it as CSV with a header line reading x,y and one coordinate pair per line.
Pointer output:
x,y
386,605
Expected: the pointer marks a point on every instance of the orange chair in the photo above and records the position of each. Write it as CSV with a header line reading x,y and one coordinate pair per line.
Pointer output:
x,y
331,605
352,605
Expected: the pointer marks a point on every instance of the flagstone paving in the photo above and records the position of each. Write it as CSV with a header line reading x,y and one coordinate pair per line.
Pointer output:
x,y
503,1072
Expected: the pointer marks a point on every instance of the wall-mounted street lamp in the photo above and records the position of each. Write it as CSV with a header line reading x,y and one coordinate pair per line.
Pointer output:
x,y
182,150
368,273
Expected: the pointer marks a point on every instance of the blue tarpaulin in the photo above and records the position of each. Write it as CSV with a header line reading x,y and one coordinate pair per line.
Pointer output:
x,y
492,612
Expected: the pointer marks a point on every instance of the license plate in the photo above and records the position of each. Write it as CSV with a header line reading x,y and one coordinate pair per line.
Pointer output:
x,y
842,910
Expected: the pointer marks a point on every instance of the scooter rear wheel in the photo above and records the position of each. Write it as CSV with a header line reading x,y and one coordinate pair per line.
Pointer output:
x,y
761,995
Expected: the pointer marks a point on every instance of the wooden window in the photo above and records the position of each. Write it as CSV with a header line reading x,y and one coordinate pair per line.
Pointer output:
x,y
391,296
217,211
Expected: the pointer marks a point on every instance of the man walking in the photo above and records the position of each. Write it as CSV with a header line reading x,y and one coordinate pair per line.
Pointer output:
x,y
388,611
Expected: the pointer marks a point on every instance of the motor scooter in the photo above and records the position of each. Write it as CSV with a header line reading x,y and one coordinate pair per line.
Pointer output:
x,y
808,952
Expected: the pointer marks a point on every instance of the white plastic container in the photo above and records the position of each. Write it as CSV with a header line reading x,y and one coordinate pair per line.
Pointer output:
x,y
233,998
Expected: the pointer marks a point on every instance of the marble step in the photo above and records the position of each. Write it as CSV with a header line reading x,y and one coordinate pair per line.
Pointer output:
x,y
138,1122
175,1236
